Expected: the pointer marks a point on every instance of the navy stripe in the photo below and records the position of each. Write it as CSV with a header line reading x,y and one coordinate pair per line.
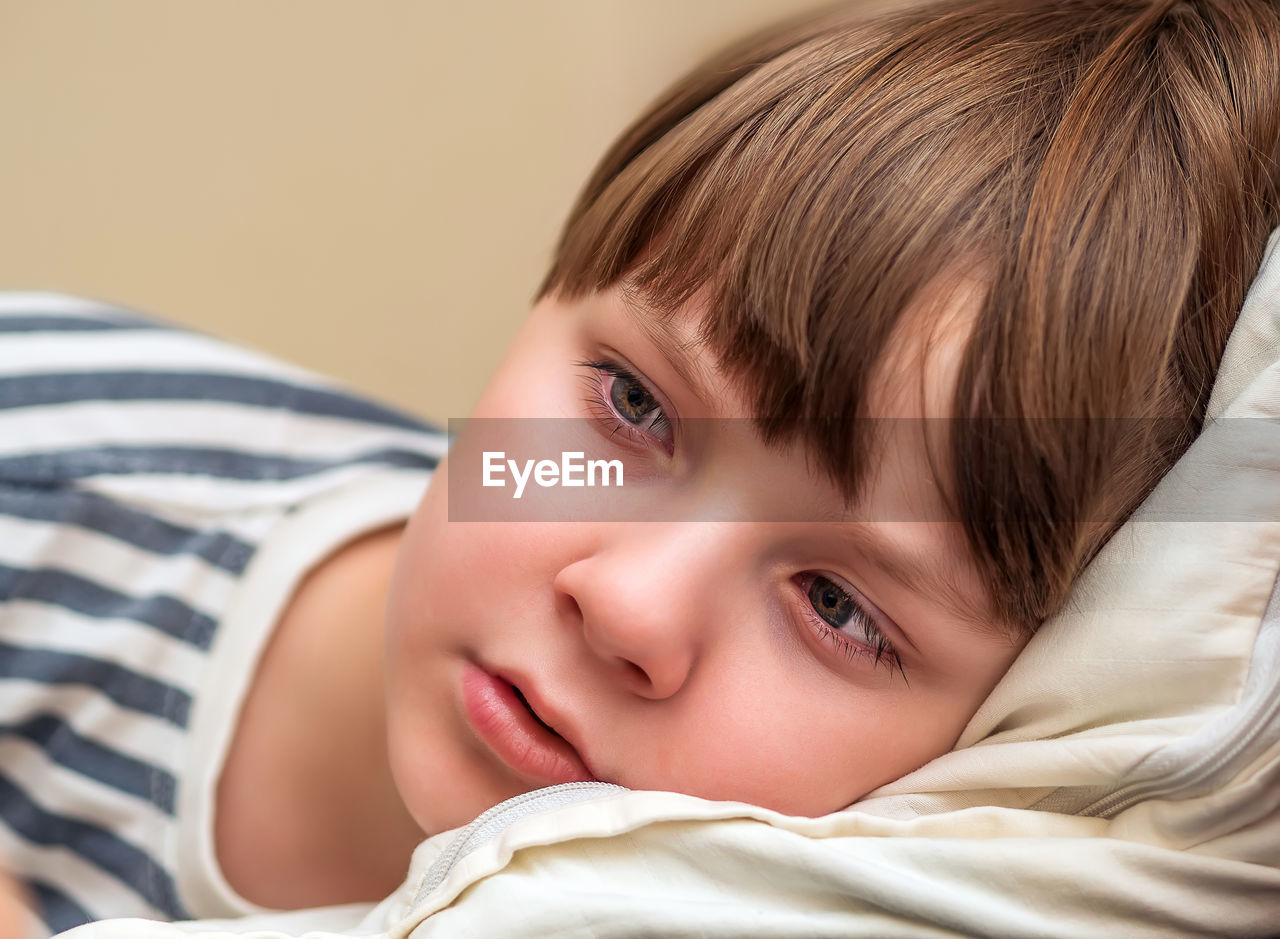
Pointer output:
x,y
130,864
94,512
122,685
62,588
44,469
57,910
65,323
43,389
90,758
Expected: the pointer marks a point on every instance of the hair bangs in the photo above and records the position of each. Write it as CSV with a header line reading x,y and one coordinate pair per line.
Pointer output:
x,y
804,208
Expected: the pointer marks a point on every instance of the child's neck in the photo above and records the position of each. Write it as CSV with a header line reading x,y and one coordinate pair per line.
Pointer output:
x,y
307,812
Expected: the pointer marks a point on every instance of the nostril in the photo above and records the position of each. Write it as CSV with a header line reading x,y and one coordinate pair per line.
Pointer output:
x,y
624,638
568,605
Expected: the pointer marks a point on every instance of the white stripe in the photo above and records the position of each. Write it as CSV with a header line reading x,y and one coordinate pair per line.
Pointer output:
x,y
250,527
208,494
40,302
115,564
147,350
260,431
96,717
142,649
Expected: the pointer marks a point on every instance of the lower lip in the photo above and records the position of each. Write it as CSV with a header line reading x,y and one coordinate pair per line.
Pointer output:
x,y
507,728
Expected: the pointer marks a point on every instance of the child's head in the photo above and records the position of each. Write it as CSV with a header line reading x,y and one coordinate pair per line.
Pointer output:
x,y
1027,219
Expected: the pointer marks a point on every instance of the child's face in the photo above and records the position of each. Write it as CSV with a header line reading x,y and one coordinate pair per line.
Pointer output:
x,y
719,656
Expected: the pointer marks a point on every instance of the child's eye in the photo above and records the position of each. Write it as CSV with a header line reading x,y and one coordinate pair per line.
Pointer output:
x,y
843,621
618,396
632,400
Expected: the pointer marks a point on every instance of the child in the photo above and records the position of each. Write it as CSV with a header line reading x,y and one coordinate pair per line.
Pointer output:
x,y
858,297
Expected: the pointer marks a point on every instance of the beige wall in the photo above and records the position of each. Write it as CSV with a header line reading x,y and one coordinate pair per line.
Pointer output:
x,y
369,188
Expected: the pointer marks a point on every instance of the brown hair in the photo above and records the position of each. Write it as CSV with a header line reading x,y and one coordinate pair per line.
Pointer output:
x,y
1111,166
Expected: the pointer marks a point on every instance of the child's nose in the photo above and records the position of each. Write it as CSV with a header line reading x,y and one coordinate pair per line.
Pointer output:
x,y
645,600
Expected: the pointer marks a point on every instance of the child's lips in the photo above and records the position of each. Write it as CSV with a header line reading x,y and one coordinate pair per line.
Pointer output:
x,y
509,719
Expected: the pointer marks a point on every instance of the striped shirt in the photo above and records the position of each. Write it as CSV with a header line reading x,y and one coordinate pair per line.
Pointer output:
x,y
161,495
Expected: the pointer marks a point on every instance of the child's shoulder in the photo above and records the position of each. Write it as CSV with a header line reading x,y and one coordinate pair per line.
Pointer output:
x,y
140,356
94,396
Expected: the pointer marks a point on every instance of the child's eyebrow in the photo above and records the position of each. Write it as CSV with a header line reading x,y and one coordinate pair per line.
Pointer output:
x,y
930,573
683,354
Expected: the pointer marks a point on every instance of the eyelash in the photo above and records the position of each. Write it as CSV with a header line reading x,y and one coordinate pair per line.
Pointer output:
x,y
876,646
600,405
